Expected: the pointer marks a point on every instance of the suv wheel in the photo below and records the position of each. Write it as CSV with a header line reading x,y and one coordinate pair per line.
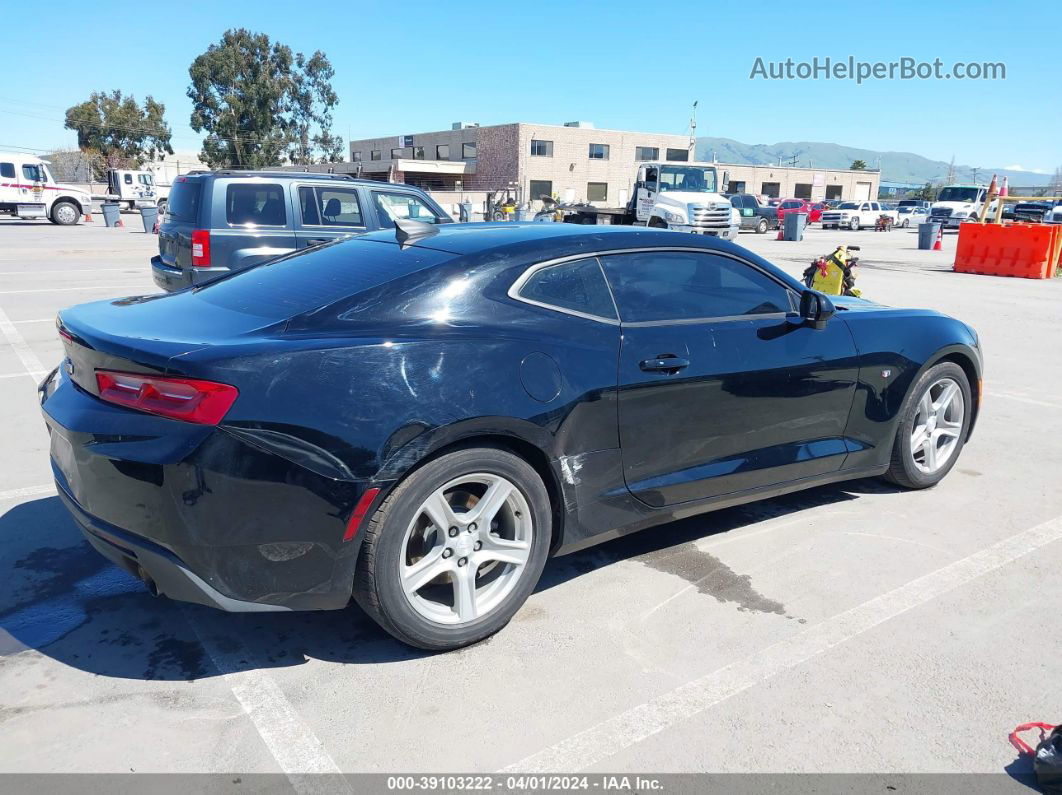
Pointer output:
x,y
761,227
455,549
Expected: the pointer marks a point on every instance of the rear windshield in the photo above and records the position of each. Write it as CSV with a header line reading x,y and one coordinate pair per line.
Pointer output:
x,y
300,283
183,204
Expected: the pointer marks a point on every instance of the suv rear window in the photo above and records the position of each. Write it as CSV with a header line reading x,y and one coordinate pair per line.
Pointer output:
x,y
183,204
255,203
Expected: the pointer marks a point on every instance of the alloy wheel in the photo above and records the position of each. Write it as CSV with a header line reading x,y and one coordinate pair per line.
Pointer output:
x,y
66,213
937,425
466,548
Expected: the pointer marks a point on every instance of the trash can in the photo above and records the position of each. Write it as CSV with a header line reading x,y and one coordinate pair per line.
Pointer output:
x,y
465,212
794,226
927,235
149,215
111,214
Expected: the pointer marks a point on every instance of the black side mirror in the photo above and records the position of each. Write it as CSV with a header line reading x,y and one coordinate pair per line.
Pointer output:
x,y
815,308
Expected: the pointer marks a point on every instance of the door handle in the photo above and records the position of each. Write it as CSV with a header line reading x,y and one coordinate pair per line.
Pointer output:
x,y
666,364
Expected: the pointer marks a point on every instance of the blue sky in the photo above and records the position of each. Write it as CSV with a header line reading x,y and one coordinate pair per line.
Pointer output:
x,y
408,67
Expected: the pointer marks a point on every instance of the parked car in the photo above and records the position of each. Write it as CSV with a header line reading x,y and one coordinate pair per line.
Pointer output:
x,y
909,215
1030,211
754,214
222,221
856,215
422,417
913,203
813,211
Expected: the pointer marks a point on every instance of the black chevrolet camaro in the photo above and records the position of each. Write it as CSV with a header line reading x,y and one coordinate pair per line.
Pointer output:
x,y
419,420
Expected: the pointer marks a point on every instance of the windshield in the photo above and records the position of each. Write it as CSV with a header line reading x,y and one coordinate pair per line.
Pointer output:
x,y
693,179
959,194
848,206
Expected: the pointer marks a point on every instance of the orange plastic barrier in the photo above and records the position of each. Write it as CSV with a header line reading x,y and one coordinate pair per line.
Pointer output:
x,y
1028,251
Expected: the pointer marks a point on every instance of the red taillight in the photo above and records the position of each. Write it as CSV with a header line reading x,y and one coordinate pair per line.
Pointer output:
x,y
201,248
188,399
360,510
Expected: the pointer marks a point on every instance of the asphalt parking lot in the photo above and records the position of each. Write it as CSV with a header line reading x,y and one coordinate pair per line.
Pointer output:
x,y
852,628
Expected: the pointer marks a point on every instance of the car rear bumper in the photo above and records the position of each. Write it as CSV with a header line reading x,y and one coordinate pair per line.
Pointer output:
x,y
206,516
167,277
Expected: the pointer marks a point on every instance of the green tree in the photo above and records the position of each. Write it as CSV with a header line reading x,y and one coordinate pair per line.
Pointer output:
x,y
926,193
258,101
121,131
858,165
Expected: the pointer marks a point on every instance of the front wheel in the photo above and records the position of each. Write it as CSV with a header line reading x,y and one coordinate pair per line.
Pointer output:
x,y
932,428
65,213
455,549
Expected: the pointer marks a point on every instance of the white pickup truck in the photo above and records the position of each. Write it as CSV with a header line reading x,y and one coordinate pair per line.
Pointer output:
x,y
855,215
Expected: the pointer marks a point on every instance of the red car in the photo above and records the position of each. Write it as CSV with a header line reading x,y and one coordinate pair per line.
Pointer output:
x,y
813,211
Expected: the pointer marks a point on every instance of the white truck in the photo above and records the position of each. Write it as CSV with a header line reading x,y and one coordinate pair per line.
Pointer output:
x,y
28,190
957,203
133,189
685,197
855,215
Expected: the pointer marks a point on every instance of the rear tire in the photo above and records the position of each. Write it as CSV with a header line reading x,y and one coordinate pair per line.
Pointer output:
x,y
854,224
761,227
65,213
657,223
932,428
441,588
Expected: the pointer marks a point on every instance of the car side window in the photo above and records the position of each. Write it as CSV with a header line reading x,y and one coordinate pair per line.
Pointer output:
x,y
390,206
255,203
686,285
32,172
330,206
7,170
573,286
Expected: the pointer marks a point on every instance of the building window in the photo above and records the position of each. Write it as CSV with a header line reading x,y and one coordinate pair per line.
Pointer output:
x,y
418,152
597,191
802,190
646,153
541,148
598,151
834,192
678,154
355,157
468,150
397,153
770,189
374,154
737,186
442,152
539,188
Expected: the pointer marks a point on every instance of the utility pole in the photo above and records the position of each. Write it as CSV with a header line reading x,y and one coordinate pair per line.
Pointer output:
x,y
951,172
693,132
976,169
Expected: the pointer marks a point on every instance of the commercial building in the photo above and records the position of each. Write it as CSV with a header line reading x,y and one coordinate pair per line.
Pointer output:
x,y
574,162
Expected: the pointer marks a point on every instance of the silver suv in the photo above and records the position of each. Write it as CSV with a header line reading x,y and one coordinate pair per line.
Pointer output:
x,y
221,221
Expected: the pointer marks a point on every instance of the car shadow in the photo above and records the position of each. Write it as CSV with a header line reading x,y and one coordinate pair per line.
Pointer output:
x,y
59,597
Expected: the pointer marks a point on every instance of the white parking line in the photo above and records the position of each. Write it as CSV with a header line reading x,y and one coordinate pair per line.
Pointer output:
x,y
294,746
34,367
35,320
995,393
27,491
645,720
88,271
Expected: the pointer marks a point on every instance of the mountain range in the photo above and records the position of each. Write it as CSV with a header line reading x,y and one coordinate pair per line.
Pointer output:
x,y
895,166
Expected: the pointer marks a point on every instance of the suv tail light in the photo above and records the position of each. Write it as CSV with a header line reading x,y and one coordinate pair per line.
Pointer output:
x,y
201,248
187,399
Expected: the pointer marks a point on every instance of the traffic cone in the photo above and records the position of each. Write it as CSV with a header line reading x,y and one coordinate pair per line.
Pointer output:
x,y
119,223
939,245
88,218
780,235
1004,189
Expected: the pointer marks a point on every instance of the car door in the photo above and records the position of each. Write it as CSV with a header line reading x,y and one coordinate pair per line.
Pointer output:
x,y
251,222
722,387
327,213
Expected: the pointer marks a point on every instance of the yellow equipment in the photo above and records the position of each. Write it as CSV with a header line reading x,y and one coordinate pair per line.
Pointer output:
x,y
835,274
